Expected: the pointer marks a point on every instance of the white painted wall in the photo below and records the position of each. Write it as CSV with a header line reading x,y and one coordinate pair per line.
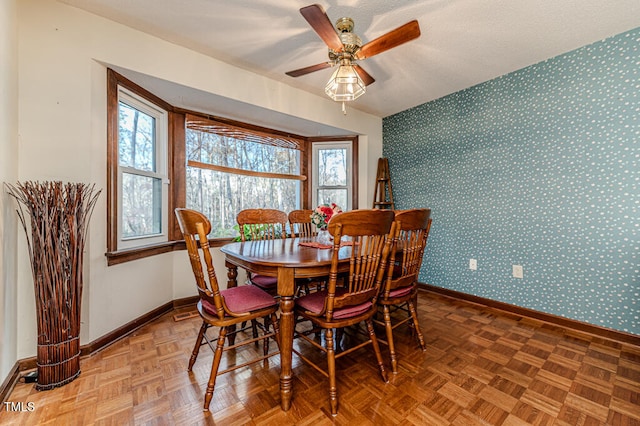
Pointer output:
x,y
62,124
8,173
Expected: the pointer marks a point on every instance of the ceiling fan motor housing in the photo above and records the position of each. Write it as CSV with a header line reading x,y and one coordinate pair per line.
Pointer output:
x,y
351,43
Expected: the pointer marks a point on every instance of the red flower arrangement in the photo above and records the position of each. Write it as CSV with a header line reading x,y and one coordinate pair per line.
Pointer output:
x,y
323,213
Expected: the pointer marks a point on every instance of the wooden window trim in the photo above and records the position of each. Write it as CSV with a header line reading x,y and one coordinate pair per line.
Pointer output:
x,y
177,173
122,256
233,170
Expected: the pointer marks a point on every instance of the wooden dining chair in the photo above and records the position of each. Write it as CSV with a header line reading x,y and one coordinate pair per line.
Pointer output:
x,y
223,308
302,227
400,289
300,223
262,224
369,237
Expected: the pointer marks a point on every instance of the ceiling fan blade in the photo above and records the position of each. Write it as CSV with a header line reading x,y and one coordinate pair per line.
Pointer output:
x,y
365,76
402,34
310,69
319,21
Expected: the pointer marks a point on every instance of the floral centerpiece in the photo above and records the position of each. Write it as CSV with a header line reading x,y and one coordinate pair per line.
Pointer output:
x,y
323,213
320,218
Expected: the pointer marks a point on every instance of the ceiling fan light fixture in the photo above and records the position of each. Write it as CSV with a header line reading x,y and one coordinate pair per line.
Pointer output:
x,y
345,84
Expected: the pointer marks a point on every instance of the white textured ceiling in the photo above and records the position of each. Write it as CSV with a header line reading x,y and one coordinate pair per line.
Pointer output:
x,y
463,42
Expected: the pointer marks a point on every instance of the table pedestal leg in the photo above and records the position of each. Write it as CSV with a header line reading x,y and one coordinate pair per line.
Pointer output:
x,y
287,324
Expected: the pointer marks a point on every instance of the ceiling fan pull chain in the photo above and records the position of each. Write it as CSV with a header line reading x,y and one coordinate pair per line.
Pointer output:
x,y
344,108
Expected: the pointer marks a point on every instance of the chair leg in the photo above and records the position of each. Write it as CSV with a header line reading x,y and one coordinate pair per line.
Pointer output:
x,y
416,327
214,368
276,329
254,328
389,330
376,349
231,332
331,367
196,348
265,341
339,337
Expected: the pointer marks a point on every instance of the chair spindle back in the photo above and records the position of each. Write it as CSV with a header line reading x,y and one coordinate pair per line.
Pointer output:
x,y
369,233
300,222
262,224
195,227
407,252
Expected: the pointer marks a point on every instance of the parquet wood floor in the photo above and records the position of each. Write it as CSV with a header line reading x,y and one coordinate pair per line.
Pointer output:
x,y
482,367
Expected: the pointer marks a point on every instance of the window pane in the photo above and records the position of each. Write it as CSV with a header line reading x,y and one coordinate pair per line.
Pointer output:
x,y
220,196
332,167
241,154
141,205
136,138
328,196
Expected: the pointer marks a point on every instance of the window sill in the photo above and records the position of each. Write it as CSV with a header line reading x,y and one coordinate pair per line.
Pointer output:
x,y
128,255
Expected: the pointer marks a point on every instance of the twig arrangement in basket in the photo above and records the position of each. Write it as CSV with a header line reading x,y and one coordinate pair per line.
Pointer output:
x,y
55,218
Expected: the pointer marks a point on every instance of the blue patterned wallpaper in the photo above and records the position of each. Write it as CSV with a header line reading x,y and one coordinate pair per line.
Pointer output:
x,y
539,168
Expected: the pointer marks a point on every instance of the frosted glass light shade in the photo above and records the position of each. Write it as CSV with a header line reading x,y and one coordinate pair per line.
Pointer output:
x,y
345,84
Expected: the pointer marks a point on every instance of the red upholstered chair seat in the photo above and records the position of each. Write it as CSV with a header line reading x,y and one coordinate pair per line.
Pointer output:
x,y
264,281
241,299
399,292
314,302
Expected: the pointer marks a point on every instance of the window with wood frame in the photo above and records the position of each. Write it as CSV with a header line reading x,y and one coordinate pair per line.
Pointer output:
x,y
230,169
332,174
139,201
142,171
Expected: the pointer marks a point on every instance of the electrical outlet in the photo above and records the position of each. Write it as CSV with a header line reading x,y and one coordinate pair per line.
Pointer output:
x,y
517,271
473,264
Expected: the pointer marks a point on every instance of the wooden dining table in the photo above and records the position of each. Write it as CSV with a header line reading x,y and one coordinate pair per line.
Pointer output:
x,y
287,260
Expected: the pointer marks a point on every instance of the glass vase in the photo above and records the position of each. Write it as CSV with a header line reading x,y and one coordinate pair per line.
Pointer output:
x,y
324,237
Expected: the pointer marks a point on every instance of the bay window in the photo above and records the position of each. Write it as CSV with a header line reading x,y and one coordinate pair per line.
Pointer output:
x,y
160,157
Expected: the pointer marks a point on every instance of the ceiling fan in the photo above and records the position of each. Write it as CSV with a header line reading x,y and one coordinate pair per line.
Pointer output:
x,y
346,48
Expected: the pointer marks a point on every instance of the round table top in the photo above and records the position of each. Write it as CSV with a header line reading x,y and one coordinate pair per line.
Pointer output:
x,y
283,252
